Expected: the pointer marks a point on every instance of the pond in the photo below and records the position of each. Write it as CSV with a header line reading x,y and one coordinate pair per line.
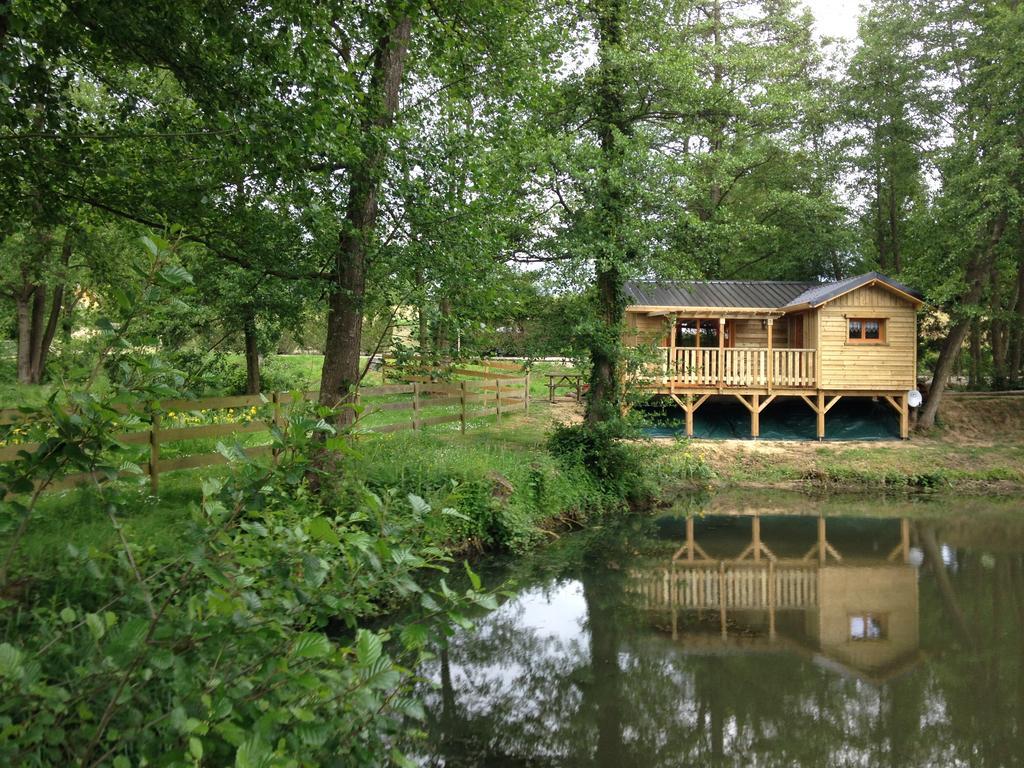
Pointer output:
x,y
726,635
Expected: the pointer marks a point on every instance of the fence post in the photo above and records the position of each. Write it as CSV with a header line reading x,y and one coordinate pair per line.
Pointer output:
x,y
415,405
275,398
154,451
526,393
462,407
497,399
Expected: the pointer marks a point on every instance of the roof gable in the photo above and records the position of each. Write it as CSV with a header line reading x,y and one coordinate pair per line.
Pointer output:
x,y
826,292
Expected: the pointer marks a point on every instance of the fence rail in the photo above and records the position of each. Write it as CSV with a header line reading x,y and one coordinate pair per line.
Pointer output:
x,y
500,397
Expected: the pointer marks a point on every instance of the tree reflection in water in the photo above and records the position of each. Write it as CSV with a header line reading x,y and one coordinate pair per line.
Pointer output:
x,y
580,668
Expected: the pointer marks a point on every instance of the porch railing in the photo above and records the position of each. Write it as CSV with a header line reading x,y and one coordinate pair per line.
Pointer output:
x,y
740,367
707,585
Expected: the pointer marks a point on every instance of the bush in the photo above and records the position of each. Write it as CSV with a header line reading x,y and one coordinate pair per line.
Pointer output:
x,y
618,466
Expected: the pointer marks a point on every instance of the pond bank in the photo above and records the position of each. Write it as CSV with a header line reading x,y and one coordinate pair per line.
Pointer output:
x,y
978,448
919,464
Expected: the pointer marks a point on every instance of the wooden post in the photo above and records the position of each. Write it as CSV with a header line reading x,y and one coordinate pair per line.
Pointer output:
x,y
690,542
821,415
822,550
551,388
770,366
721,599
275,398
154,452
904,418
721,351
689,415
756,535
755,417
462,407
526,392
670,369
497,399
415,405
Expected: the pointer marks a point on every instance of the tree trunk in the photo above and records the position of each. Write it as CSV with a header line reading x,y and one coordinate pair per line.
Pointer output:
x,y
997,332
36,333
444,345
252,356
421,316
36,329
340,375
976,274
974,364
24,315
1016,330
603,399
46,341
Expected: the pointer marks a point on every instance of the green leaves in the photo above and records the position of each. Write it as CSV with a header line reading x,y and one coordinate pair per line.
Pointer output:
x,y
311,645
10,662
321,530
368,648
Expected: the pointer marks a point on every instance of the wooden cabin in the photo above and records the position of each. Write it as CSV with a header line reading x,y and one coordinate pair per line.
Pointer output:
x,y
760,340
856,613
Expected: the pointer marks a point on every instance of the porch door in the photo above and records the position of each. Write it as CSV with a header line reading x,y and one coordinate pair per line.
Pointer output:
x,y
796,332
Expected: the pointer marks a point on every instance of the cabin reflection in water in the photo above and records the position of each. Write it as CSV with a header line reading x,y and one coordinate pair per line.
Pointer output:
x,y
853,611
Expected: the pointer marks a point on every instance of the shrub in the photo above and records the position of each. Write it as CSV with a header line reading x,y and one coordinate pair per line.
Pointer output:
x,y
603,450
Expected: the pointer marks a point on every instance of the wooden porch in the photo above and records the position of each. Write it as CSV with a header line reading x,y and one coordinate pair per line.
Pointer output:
x,y
738,367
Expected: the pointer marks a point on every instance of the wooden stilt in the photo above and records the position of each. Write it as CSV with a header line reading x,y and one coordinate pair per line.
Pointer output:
x,y
820,410
689,406
900,405
755,418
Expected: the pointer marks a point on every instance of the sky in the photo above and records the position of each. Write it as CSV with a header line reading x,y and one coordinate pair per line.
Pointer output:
x,y
835,18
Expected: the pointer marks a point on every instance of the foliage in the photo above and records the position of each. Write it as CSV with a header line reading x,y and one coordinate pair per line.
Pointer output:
x,y
604,451
247,645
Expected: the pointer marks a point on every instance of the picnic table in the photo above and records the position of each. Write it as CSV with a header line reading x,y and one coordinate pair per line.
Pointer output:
x,y
573,380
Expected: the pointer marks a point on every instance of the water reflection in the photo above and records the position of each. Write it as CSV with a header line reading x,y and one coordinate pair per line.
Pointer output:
x,y
748,640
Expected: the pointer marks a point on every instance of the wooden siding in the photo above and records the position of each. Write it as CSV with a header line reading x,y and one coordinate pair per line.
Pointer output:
x,y
889,365
641,329
749,333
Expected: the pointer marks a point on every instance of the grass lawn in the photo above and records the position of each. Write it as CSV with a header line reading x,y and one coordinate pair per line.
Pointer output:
x,y
489,472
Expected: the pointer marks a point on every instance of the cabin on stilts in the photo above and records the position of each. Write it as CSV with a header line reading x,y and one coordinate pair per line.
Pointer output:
x,y
856,609
762,340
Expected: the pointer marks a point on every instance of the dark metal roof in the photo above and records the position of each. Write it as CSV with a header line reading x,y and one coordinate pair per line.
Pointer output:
x,y
716,293
760,294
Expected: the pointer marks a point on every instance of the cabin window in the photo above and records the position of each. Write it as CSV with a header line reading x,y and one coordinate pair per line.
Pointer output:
x,y
697,333
866,330
867,626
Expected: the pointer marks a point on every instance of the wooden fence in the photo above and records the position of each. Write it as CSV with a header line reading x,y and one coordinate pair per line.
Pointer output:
x,y
428,372
496,397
